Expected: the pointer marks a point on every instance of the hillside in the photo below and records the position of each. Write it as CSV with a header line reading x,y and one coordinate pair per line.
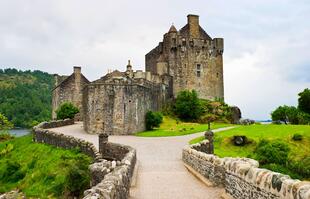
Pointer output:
x,y
25,96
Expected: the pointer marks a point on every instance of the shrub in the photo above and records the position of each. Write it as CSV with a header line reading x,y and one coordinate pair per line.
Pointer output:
x,y
77,180
4,123
302,167
268,152
13,172
187,105
297,137
66,110
304,101
289,114
153,119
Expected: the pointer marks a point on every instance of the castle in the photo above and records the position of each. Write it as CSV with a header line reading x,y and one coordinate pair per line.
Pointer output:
x,y
117,102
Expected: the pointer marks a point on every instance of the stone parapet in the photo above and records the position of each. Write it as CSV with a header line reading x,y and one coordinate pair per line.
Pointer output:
x,y
242,178
109,179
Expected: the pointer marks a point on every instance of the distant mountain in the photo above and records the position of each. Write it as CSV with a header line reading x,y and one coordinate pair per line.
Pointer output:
x,y
25,96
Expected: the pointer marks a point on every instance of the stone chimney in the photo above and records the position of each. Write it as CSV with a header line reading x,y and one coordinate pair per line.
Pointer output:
x,y
129,67
77,69
193,23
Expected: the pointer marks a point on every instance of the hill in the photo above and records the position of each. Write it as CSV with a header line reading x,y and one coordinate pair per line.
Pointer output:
x,y
25,96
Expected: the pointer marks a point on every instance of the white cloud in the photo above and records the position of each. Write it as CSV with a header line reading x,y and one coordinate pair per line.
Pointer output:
x,y
266,58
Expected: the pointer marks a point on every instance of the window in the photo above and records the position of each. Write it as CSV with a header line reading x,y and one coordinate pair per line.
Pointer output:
x,y
198,70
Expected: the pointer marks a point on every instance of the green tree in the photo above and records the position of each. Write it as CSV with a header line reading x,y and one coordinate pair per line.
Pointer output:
x,y
5,124
153,119
304,101
66,110
187,105
286,114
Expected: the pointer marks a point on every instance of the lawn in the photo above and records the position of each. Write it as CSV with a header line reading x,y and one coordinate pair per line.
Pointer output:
x,y
41,171
299,155
224,147
172,127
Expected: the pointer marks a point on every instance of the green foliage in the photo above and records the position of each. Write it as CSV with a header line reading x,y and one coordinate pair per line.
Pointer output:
x,y
304,101
289,114
276,151
301,167
42,171
4,123
188,106
66,110
153,119
297,137
25,96
298,150
173,127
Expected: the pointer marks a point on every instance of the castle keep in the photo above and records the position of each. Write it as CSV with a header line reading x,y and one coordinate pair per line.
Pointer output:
x,y
117,102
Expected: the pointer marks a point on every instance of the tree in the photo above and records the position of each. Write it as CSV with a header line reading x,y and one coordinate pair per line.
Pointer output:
x,y
289,114
304,101
153,119
187,105
66,110
5,124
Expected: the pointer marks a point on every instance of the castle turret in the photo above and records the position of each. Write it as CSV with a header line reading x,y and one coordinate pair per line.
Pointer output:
x,y
193,23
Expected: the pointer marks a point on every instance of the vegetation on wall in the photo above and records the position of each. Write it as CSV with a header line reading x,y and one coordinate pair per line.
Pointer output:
x,y
42,171
25,96
66,111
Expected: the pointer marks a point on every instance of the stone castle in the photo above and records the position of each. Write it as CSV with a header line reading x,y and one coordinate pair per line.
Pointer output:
x,y
117,102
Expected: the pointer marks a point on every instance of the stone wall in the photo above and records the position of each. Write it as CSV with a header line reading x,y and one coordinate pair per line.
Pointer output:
x,y
109,179
120,107
192,58
41,134
69,89
241,177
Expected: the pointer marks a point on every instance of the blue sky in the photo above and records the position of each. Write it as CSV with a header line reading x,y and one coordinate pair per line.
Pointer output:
x,y
267,45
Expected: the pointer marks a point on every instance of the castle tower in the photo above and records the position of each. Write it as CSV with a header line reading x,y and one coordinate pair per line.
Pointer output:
x,y
192,58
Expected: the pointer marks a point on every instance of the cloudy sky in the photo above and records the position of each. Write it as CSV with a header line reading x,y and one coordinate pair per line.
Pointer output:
x,y
267,42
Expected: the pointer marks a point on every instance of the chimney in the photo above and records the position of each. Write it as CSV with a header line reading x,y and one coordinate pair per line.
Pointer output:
x,y
77,69
193,23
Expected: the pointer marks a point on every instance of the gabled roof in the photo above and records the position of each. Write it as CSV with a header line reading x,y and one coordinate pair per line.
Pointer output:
x,y
64,79
185,31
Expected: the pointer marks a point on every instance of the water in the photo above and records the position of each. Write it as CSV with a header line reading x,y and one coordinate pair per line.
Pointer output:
x,y
19,132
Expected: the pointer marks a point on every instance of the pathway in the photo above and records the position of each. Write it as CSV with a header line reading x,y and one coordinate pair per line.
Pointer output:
x,y
161,173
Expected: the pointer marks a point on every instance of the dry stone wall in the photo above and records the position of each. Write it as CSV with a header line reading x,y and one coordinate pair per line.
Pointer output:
x,y
109,179
242,179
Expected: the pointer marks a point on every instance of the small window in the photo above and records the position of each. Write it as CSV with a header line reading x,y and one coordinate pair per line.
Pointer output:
x,y
183,42
174,41
198,70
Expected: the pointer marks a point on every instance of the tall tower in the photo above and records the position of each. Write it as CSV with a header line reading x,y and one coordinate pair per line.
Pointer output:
x,y
192,58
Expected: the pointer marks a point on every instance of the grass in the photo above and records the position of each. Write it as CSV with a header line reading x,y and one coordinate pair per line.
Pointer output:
x,y
299,150
39,170
224,147
172,127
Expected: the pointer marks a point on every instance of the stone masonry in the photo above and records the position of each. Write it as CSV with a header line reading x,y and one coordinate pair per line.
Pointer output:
x,y
192,58
118,101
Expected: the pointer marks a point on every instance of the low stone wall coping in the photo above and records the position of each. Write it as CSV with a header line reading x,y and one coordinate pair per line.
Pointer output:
x,y
242,178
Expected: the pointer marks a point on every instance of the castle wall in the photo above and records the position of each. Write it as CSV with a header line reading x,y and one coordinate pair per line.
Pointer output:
x,y
119,108
69,90
192,58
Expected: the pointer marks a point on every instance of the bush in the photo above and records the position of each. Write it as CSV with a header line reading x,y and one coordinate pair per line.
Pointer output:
x,y
304,101
77,180
13,172
302,167
4,123
289,114
297,137
153,119
187,105
66,110
268,152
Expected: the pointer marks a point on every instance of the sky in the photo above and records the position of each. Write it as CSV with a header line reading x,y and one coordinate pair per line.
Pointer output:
x,y
266,53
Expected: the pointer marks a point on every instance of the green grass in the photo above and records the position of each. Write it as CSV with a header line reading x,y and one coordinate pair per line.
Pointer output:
x,y
39,170
224,147
299,150
172,127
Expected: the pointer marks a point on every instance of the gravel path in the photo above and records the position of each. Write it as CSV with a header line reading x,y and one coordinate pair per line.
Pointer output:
x,y
161,173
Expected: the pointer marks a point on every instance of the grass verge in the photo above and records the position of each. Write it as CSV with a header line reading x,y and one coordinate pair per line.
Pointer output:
x,y
299,150
42,171
172,127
